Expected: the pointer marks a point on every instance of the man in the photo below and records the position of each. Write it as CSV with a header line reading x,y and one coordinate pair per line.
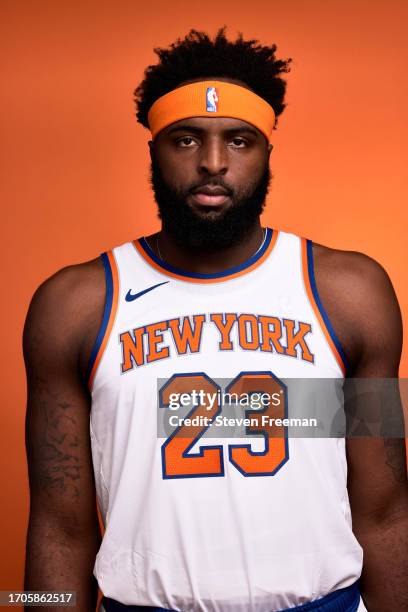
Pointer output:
x,y
194,523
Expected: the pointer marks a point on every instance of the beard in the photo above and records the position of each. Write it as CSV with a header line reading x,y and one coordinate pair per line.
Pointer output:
x,y
207,231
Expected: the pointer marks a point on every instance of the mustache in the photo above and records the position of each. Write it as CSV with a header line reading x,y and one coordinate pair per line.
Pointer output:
x,y
213,183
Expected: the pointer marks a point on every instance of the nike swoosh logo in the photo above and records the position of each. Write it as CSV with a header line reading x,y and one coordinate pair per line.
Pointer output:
x,y
130,297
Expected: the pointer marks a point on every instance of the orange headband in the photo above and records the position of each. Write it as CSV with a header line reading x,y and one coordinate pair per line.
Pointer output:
x,y
211,99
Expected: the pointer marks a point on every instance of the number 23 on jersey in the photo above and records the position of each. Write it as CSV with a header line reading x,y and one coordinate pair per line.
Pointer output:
x,y
177,459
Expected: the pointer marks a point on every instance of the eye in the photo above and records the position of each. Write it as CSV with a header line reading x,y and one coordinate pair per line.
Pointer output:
x,y
238,142
186,141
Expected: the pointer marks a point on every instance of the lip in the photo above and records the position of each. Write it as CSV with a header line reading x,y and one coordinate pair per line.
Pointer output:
x,y
210,190
210,195
205,199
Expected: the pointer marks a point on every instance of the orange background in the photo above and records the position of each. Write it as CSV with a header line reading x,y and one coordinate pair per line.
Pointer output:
x,y
74,162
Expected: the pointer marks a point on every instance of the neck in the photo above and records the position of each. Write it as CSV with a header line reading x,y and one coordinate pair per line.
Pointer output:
x,y
205,261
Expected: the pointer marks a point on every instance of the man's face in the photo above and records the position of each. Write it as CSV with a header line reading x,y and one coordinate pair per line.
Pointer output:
x,y
210,177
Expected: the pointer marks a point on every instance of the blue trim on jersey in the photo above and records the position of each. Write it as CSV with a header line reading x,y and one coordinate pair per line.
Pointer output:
x,y
106,312
341,600
246,264
324,314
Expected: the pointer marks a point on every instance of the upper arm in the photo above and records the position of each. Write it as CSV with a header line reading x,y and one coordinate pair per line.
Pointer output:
x,y
362,306
62,491
377,317
377,476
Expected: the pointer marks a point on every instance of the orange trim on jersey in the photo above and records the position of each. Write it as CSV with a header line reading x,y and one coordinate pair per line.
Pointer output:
x,y
181,275
111,317
312,300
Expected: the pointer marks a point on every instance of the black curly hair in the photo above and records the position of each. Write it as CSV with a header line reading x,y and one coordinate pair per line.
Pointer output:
x,y
197,56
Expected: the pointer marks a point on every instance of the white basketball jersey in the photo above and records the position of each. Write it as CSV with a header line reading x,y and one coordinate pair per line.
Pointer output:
x,y
215,524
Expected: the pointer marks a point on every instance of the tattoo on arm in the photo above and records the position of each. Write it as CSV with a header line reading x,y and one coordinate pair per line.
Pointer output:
x,y
396,461
57,462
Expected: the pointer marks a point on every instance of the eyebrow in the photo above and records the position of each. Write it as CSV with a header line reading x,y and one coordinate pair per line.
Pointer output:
x,y
197,130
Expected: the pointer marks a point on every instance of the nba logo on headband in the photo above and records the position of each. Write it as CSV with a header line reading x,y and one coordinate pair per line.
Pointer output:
x,y
212,100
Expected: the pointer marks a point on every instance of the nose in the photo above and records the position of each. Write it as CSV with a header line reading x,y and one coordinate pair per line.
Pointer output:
x,y
214,157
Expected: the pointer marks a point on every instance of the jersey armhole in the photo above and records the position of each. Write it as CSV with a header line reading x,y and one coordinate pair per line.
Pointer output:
x,y
320,312
111,304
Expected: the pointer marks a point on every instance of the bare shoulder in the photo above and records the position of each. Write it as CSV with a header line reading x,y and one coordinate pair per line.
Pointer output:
x,y
65,313
351,266
360,300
